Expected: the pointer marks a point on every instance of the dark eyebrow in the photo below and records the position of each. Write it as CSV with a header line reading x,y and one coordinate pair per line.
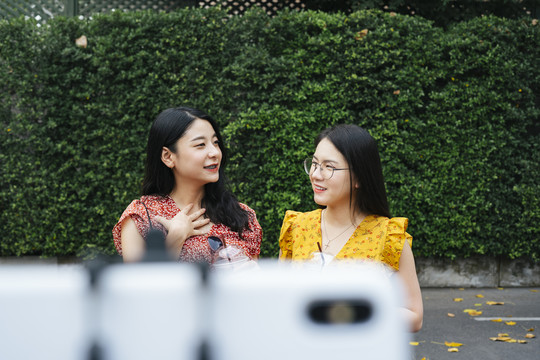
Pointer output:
x,y
202,137
330,162
325,161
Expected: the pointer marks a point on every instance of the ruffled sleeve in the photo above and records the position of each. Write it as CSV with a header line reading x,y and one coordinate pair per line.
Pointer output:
x,y
285,237
396,236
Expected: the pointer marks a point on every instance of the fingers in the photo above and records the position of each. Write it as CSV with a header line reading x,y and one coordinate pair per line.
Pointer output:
x,y
185,223
163,221
199,223
197,232
197,214
187,208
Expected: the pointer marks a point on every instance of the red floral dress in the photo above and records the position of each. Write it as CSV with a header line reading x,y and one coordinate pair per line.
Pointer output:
x,y
196,248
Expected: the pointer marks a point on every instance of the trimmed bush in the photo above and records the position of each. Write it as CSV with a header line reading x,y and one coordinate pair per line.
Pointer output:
x,y
455,113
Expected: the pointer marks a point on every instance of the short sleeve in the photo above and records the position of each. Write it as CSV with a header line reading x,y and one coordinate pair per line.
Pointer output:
x,y
253,236
135,211
396,235
285,236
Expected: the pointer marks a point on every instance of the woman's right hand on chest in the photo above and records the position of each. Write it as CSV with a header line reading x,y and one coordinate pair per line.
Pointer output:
x,y
182,226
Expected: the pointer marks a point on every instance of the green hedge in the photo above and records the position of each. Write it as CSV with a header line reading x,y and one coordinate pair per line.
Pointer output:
x,y
456,114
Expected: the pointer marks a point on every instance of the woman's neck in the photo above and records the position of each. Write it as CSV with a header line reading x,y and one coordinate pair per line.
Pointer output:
x,y
186,194
343,216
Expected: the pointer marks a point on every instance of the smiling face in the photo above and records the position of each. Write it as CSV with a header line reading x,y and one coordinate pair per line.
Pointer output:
x,y
197,155
335,191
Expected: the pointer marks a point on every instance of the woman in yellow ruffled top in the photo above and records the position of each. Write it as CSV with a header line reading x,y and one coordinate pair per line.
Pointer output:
x,y
354,221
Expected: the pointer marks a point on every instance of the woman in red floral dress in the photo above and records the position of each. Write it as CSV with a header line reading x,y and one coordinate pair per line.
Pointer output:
x,y
184,193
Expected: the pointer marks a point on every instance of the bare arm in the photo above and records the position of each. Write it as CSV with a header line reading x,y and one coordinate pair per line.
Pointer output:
x,y
133,246
414,310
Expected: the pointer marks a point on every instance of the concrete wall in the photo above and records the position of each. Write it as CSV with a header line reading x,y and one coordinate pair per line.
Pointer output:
x,y
477,272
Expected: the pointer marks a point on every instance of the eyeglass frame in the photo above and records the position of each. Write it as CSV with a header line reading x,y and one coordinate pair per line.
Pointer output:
x,y
317,165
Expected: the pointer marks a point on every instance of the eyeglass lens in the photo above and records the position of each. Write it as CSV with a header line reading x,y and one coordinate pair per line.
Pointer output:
x,y
310,166
215,242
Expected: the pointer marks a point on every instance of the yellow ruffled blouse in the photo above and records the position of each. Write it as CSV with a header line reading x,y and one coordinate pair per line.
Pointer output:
x,y
377,238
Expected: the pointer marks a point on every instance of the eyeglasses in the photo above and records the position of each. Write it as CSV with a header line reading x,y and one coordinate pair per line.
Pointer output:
x,y
216,244
326,170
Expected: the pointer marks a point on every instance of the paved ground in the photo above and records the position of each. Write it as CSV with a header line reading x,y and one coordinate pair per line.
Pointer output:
x,y
521,305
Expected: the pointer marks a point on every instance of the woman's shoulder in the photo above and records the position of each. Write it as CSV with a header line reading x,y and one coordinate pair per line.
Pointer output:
x,y
395,228
296,222
292,216
397,225
393,224
252,215
154,200
396,236
154,204
246,208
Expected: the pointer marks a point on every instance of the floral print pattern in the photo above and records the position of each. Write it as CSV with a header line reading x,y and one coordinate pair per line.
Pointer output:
x,y
196,248
377,238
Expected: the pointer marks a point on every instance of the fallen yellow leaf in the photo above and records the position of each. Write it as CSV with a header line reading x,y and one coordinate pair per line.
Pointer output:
x,y
452,344
472,312
531,329
511,323
461,289
534,290
494,303
479,296
458,299
453,350
477,305
530,336
522,341
500,288
502,335
414,343
497,320
451,315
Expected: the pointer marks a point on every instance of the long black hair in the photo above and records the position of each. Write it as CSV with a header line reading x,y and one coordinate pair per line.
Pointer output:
x,y
169,126
360,150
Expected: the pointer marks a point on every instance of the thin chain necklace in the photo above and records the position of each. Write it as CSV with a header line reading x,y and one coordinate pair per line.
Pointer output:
x,y
327,245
